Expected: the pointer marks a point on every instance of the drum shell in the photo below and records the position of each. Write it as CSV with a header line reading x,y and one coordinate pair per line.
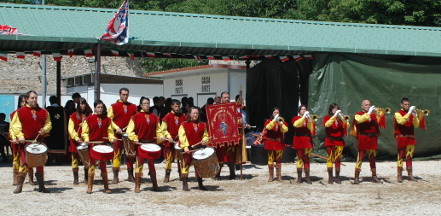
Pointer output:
x,y
129,147
178,151
207,167
150,155
100,155
36,159
84,155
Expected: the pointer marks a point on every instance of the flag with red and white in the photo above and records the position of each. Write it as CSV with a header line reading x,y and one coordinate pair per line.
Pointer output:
x,y
115,52
117,31
211,58
20,55
57,55
284,58
297,57
36,53
309,57
168,55
88,52
197,58
4,56
151,55
131,54
226,58
70,52
244,57
269,56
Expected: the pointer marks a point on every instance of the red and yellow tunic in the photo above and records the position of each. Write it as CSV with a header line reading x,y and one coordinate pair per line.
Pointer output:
x,y
74,130
405,125
170,125
273,139
95,127
144,126
120,113
28,121
367,131
303,130
191,133
335,130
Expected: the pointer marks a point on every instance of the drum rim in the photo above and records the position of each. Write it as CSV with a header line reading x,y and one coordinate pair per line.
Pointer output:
x,y
103,146
28,146
150,144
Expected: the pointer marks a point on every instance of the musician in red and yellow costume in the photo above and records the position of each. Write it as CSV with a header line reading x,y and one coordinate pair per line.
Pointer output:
x,y
74,128
275,127
192,131
94,129
405,122
367,131
144,127
304,129
14,147
29,123
336,127
227,152
120,113
170,126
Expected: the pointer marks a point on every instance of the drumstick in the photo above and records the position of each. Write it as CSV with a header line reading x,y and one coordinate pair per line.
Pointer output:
x,y
35,140
184,152
95,142
319,156
78,130
114,138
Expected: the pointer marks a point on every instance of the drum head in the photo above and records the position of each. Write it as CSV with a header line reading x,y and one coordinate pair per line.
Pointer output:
x,y
82,147
177,146
36,148
150,147
203,153
103,149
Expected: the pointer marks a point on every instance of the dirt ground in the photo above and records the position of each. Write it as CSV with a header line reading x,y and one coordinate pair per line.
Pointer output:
x,y
251,196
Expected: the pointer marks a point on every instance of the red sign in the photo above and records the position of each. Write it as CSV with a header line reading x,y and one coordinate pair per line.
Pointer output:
x,y
222,124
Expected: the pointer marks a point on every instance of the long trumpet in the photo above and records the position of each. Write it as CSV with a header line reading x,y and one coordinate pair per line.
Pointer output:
x,y
421,112
314,117
384,110
280,119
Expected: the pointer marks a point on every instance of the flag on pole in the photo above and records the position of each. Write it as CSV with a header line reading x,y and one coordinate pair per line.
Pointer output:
x,y
36,53
117,31
88,52
56,54
71,52
115,52
197,58
4,56
20,55
131,54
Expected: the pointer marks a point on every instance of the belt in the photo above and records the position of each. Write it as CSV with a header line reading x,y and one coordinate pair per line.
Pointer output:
x,y
147,141
306,135
407,136
368,134
335,138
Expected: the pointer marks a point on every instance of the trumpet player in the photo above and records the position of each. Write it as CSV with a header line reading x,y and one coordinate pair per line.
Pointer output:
x,y
336,127
367,132
304,128
405,121
275,127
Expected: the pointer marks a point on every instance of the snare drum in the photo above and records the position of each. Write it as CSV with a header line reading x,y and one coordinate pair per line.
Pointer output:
x,y
102,152
205,162
83,152
36,154
149,151
129,147
178,150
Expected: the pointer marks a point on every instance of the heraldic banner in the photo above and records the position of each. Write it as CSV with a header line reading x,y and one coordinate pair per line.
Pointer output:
x,y
222,124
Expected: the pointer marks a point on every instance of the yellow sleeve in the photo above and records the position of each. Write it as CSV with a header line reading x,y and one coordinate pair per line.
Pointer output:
x,y
401,119
72,132
16,127
330,121
362,118
110,133
205,137
158,133
85,132
113,126
164,129
110,112
299,122
284,128
131,131
48,124
183,138
270,125
416,121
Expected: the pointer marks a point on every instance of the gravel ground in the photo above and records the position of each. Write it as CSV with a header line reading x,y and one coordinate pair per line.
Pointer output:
x,y
251,196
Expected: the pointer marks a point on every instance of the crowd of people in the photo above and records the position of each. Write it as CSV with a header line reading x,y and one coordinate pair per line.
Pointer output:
x,y
179,128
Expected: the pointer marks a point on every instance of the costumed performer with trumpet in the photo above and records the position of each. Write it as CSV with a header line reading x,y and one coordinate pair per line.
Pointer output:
x,y
336,125
304,128
273,141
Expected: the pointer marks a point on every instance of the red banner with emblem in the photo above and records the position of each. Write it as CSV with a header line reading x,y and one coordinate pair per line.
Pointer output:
x,y
222,124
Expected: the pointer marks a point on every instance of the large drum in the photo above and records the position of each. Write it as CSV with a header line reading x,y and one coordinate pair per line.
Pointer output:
x,y
178,151
129,147
36,154
102,152
205,162
83,152
149,151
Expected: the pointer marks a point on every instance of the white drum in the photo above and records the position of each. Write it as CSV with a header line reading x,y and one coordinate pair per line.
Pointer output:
x,y
149,151
102,152
205,162
36,154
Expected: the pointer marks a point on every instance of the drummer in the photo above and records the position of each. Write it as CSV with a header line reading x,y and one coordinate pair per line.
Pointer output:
x,y
170,126
30,122
144,127
94,129
192,132
74,128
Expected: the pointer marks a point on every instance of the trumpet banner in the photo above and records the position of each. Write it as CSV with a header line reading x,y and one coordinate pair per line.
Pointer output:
x,y
222,124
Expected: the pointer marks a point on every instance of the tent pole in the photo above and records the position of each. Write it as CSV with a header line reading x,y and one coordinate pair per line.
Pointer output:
x,y
97,72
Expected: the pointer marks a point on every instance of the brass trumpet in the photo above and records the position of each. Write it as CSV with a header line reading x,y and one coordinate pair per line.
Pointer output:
x,y
384,110
280,120
421,112
345,117
314,117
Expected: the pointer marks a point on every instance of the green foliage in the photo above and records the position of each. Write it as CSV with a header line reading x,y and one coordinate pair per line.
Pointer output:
x,y
152,65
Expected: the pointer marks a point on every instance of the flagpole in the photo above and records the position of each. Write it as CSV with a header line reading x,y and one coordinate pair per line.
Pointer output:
x,y
43,77
97,84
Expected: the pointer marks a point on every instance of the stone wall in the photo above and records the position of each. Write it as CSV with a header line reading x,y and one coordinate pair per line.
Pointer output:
x,y
21,75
